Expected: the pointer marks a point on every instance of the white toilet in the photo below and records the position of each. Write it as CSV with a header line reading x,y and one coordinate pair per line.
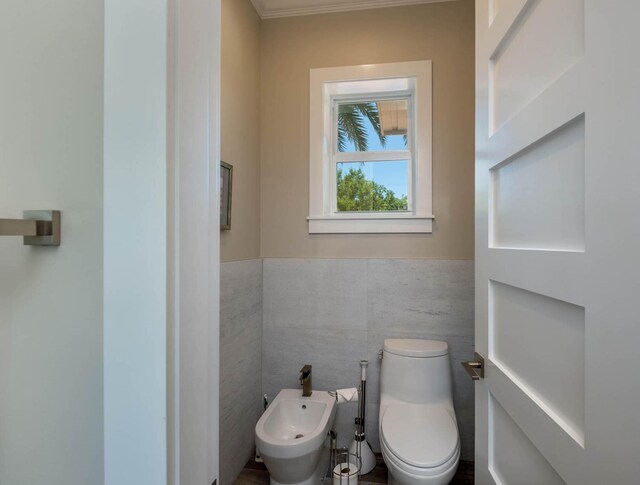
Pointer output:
x,y
418,431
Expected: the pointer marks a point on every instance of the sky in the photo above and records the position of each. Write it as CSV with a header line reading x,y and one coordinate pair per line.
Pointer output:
x,y
393,175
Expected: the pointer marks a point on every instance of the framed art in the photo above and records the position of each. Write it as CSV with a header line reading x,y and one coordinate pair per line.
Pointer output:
x,y
226,182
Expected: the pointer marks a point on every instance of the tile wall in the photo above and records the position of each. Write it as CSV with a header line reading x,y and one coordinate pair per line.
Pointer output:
x,y
278,314
332,313
240,363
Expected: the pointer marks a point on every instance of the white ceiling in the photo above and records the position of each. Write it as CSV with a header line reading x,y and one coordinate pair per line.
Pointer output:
x,y
289,8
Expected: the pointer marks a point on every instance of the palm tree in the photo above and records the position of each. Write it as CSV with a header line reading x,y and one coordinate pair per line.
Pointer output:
x,y
351,125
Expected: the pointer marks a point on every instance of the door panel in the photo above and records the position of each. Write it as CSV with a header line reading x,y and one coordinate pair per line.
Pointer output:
x,y
513,458
552,317
549,370
519,73
526,212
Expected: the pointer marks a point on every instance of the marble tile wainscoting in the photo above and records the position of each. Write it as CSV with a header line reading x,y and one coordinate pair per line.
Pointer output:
x,y
240,363
332,313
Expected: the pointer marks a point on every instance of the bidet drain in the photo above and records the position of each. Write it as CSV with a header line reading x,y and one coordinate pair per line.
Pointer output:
x,y
298,436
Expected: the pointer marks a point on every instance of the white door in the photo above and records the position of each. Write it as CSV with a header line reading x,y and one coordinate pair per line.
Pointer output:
x,y
109,341
558,241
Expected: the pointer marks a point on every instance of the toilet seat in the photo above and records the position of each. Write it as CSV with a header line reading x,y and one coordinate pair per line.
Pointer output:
x,y
420,435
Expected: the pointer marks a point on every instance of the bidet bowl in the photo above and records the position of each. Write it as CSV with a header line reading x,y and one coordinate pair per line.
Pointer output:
x,y
292,434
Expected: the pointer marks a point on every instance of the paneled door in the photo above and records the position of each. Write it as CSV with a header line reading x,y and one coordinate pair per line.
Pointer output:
x,y
558,241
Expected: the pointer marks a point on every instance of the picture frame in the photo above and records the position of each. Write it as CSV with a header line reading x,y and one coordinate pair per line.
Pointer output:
x,y
226,185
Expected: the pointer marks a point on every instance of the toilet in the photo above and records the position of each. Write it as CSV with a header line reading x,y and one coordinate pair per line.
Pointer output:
x,y
419,435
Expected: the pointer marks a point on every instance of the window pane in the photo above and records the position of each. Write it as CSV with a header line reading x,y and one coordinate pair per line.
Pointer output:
x,y
373,126
372,186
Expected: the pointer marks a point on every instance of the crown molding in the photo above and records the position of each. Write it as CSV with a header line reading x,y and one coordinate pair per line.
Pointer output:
x,y
292,8
258,6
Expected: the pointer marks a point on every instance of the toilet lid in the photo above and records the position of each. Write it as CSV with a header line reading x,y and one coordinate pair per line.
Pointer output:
x,y
416,347
421,435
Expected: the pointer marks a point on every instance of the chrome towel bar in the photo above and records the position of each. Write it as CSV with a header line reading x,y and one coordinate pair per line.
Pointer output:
x,y
39,228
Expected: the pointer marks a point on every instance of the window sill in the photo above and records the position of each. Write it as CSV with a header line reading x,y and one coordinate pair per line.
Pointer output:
x,y
367,224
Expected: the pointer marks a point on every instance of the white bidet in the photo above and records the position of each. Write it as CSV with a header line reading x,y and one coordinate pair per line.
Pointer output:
x,y
292,436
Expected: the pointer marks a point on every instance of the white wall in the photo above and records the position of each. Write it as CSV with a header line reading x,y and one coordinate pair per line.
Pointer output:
x,y
193,339
135,229
161,258
51,90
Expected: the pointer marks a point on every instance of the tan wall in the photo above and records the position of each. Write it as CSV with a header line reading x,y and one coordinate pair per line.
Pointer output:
x,y
442,32
240,132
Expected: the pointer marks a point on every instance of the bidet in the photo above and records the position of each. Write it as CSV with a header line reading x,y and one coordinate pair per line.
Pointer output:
x,y
293,437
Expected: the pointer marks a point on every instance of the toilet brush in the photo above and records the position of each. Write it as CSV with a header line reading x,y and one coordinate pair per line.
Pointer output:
x,y
360,447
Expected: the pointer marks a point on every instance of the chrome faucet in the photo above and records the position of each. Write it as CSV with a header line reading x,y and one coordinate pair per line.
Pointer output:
x,y
305,380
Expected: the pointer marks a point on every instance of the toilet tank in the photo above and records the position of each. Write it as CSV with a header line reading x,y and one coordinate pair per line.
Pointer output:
x,y
415,371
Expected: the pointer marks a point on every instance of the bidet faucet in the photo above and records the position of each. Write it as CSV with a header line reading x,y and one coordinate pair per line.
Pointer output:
x,y
305,380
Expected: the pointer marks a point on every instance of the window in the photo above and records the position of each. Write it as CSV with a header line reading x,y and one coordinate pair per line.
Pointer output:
x,y
370,149
372,156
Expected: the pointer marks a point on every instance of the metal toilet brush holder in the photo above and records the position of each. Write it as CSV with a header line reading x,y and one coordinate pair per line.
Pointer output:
x,y
359,446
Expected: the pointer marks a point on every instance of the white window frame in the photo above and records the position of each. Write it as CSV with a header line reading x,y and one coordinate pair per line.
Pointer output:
x,y
330,86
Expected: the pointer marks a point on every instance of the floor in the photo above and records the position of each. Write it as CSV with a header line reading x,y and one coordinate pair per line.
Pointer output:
x,y
256,474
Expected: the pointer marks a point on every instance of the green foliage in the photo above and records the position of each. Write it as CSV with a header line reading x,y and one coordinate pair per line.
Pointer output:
x,y
351,125
356,193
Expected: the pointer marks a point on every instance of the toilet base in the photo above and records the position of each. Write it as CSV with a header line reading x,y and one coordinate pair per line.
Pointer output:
x,y
315,479
310,481
318,474
441,475
441,480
